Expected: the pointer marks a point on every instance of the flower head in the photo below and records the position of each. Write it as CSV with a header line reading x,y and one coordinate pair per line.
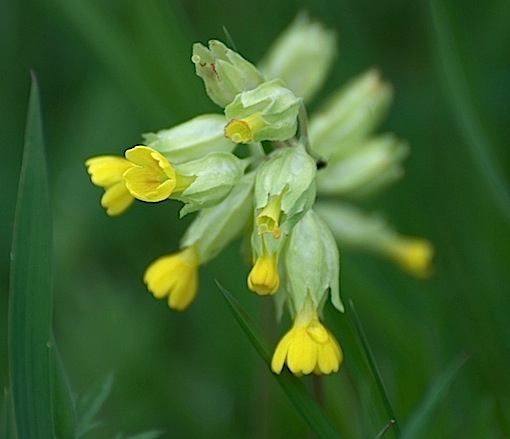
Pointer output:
x,y
106,171
308,347
412,254
174,276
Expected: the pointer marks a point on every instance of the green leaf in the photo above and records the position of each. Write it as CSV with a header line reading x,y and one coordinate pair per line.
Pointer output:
x,y
373,366
423,416
153,434
7,427
30,300
295,390
64,408
89,406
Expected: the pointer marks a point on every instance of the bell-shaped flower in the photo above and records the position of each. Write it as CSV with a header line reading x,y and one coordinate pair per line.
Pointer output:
x,y
301,56
175,277
353,228
106,171
284,190
225,72
268,112
308,347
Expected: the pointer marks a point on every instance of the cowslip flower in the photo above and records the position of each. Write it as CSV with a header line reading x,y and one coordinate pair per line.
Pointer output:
x,y
263,278
308,347
175,277
107,171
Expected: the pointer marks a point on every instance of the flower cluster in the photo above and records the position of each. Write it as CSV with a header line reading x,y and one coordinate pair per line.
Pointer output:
x,y
272,196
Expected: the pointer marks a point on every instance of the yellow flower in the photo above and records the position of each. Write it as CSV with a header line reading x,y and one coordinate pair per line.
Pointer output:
x,y
106,171
242,130
263,278
268,220
413,254
152,178
308,347
175,276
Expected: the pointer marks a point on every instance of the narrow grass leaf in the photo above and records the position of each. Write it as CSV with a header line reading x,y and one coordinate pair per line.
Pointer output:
x,y
7,428
153,434
464,110
30,300
373,366
89,407
295,390
416,426
64,407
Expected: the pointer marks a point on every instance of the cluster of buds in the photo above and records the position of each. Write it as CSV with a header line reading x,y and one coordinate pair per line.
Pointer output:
x,y
272,194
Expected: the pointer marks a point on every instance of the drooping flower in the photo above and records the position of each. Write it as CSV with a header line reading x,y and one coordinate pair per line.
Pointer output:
x,y
106,171
263,278
308,347
174,276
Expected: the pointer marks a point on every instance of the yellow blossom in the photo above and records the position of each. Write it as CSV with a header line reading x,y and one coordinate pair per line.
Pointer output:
x,y
152,178
412,254
268,220
308,347
175,276
263,278
242,130
106,171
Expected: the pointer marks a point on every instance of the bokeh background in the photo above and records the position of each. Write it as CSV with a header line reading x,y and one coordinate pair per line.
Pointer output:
x,y
109,71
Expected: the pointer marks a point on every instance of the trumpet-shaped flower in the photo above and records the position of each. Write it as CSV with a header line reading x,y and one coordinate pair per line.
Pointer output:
x,y
308,347
106,171
174,276
413,254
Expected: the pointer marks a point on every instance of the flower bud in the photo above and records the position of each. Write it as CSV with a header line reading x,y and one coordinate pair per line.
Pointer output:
x,y
354,228
311,264
225,72
213,178
215,227
369,167
350,114
301,56
284,190
192,139
268,112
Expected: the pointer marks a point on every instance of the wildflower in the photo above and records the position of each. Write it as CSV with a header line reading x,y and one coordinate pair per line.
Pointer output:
x,y
356,229
152,178
268,112
263,278
106,171
225,72
301,56
308,347
174,276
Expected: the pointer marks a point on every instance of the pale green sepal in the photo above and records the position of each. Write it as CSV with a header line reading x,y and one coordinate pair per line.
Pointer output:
x,y
291,175
301,56
350,114
215,174
312,263
352,227
271,110
215,227
225,72
370,166
192,139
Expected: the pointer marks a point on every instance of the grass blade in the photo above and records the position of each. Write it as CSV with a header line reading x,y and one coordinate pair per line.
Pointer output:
x,y
373,366
464,109
30,300
295,390
422,417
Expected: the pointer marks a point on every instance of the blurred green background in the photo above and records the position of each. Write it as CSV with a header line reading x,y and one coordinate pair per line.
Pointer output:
x,y
109,71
